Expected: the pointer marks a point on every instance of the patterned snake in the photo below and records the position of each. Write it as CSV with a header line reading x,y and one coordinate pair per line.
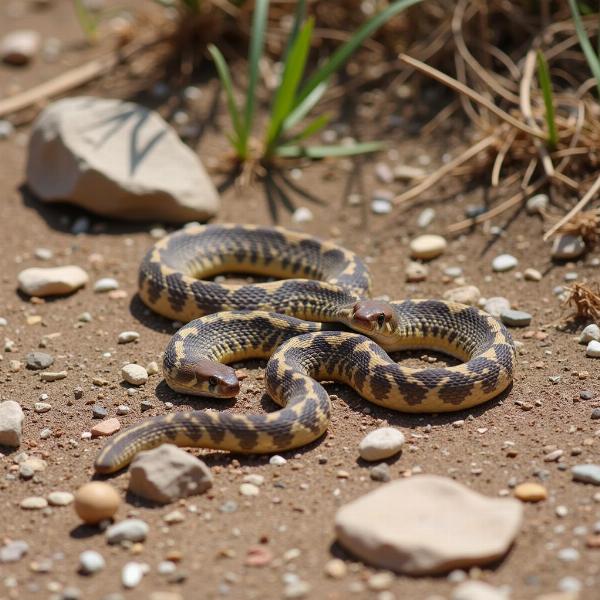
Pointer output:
x,y
302,324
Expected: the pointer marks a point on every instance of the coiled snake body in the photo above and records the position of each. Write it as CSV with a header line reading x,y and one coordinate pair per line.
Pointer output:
x,y
302,324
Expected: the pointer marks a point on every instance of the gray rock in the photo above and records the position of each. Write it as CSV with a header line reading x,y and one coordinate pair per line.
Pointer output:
x,y
117,159
593,349
568,247
589,333
466,294
106,284
398,526
39,360
515,318
167,473
13,551
131,530
380,472
51,281
11,422
586,473
496,305
91,562
504,262
537,204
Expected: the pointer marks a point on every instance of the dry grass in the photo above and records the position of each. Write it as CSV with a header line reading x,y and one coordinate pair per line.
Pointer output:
x,y
585,300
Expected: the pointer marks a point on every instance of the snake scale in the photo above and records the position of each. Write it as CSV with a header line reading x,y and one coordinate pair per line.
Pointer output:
x,y
316,322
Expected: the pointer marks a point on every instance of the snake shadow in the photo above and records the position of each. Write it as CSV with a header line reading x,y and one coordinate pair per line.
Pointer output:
x,y
149,318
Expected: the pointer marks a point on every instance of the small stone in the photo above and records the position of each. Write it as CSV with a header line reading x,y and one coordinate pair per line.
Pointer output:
x,y
296,589
416,272
134,374
467,294
537,204
496,305
258,556
123,409
477,590
42,407
593,349
125,337
254,479
515,318
384,172
427,247
590,332
381,205
99,412
336,568
530,492
131,530
408,173
504,262
568,555
51,281
277,460
381,581
568,247
596,413
145,405
380,472
152,368
302,215
249,489
132,574
11,423
39,360
96,501
106,427
33,503
6,129
91,562
20,46
425,218
381,443
173,517
168,473
532,275
53,375
106,284
13,551
586,473
60,498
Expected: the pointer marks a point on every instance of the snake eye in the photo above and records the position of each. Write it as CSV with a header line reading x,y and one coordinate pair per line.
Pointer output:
x,y
380,319
212,381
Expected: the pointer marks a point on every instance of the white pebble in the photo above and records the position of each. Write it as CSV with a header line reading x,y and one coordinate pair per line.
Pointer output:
x,y
134,374
43,253
128,336
425,218
426,247
249,489
381,206
537,204
91,562
51,281
504,262
381,443
132,574
302,215
589,333
106,284
60,498
593,349
277,460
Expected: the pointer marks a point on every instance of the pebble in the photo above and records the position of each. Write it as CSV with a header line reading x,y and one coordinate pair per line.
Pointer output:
x,y
589,333
91,562
381,443
380,581
277,460
504,262
515,318
416,272
99,412
167,473
134,374
6,129
568,247
406,172
33,503
586,473
11,423
596,413
384,173
296,589
53,375
106,427
477,590
302,215
152,368
131,530
336,568
425,218
60,498
466,294
427,247
42,407
106,284
96,501
125,337
132,574
380,472
496,305
39,360
530,492
51,281
537,204
20,46
123,409
13,551
593,349
532,275
249,489
381,206
568,555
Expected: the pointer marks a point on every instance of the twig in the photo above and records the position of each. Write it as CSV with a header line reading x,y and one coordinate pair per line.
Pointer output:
x,y
432,179
578,207
463,89
501,156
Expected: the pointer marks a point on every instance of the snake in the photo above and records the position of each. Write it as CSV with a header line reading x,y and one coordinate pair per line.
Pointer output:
x,y
314,319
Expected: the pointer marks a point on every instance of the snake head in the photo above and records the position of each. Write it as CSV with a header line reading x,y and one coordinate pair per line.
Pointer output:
x,y
204,378
374,318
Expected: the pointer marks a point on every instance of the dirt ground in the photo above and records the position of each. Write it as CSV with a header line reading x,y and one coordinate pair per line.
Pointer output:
x,y
298,501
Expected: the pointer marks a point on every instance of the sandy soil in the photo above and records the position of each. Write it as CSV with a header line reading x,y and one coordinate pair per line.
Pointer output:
x,y
298,501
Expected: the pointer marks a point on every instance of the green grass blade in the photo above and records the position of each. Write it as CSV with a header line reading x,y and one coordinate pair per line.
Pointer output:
x,y
257,42
225,77
543,73
585,43
87,20
341,55
299,17
295,151
302,109
290,80
313,127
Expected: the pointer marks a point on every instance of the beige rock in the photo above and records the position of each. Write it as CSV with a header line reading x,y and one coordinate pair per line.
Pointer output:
x,y
19,46
134,374
11,423
106,427
381,443
478,590
416,272
117,159
167,473
426,247
51,281
531,492
427,525
466,294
